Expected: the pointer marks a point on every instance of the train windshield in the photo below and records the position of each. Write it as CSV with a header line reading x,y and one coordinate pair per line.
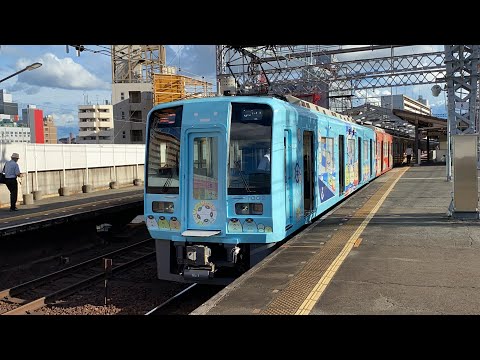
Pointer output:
x,y
249,152
164,151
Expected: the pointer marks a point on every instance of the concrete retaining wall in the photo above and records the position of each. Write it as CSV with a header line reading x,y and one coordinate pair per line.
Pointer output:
x,y
50,181
49,167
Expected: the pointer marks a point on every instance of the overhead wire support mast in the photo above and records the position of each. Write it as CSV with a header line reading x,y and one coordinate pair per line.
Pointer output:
x,y
462,80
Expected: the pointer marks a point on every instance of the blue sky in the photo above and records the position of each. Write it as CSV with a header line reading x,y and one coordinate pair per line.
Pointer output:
x,y
61,84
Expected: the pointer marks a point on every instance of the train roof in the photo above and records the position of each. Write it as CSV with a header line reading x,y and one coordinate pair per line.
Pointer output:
x,y
288,99
308,105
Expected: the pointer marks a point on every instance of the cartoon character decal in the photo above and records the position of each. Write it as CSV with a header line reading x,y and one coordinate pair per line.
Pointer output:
x,y
327,176
234,225
250,225
351,165
163,223
204,213
151,222
298,213
174,223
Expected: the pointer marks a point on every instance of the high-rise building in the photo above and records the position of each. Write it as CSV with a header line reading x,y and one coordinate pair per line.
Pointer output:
x,y
33,118
133,67
10,130
49,130
95,124
132,102
8,109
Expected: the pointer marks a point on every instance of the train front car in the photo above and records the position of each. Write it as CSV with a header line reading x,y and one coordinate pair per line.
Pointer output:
x,y
208,185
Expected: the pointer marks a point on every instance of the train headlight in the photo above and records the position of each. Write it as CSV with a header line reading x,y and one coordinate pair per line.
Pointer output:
x,y
248,208
162,207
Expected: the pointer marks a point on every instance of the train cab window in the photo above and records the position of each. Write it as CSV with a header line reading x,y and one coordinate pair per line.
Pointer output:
x,y
164,151
249,156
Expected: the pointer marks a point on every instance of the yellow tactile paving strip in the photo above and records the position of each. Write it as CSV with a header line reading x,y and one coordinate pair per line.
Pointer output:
x,y
302,293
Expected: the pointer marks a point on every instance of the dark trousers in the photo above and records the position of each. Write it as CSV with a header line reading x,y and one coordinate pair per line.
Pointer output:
x,y
408,159
12,186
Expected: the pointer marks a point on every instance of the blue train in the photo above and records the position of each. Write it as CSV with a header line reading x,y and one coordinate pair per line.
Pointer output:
x,y
226,178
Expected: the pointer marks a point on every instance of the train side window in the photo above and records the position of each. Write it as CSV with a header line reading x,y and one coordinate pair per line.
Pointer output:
x,y
326,156
205,168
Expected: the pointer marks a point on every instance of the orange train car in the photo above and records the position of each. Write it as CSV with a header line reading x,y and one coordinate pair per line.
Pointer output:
x,y
383,151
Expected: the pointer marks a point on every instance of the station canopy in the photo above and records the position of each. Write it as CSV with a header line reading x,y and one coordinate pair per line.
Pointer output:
x,y
398,122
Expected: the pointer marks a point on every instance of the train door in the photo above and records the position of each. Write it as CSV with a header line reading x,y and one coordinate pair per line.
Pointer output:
x,y
287,153
390,155
378,155
382,147
205,177
371,157
308,172
341,164
360,160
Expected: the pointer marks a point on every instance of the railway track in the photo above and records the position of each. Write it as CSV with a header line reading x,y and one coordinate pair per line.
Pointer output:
x,y
34,294
186,300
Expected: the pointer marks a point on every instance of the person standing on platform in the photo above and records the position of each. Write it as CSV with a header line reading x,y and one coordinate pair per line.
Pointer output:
x,y
12,171
409,153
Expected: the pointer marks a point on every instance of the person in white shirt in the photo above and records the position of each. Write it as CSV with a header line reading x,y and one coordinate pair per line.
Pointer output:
x,y
265,162
12,171
409,153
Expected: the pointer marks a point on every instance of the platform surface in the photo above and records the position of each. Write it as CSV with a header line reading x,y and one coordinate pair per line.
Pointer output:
x,y
390,248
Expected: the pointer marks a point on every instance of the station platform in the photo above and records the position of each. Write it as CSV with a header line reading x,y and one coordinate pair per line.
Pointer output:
x,y
390,248
60,209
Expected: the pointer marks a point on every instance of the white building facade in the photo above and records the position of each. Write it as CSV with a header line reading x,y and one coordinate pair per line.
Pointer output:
x,y
95,124
403,102
14,134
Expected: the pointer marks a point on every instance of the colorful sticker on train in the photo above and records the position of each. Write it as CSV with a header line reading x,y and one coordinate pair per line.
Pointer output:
x,y
327,175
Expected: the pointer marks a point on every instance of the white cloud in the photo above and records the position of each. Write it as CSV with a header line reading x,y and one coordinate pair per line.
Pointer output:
x,y
59,73
65,119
